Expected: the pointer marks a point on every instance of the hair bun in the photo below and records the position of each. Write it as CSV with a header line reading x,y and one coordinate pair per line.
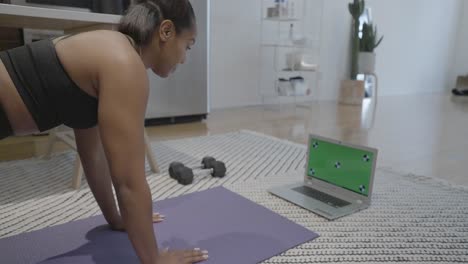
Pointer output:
x,y
143,18
153,4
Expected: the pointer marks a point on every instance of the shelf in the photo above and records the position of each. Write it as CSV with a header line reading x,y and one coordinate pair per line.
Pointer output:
x,y
293,96
281,19
278,95
299,43
286,46
300,33
17,16
311,70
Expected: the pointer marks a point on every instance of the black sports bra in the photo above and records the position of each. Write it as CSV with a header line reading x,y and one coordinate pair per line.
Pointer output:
x,y
47,90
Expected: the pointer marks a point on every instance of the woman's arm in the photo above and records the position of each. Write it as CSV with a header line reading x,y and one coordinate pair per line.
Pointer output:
x,y
97,173
123,93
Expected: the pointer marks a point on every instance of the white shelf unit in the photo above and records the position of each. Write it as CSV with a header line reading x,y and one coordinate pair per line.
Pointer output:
x,y
297,31
17,16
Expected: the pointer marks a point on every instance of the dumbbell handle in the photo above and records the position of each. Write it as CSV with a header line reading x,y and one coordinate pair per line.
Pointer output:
x,y
200,171
197,167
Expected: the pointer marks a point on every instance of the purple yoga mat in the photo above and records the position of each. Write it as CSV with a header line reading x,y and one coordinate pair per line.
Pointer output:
x,y
232,228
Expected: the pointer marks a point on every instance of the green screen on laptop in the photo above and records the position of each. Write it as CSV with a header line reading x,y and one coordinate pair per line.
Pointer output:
x,y
340,165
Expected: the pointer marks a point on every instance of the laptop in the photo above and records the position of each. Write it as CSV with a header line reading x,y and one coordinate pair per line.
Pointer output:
x,y
338,178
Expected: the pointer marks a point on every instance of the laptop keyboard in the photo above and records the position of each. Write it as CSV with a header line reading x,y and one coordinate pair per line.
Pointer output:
x,y
323,197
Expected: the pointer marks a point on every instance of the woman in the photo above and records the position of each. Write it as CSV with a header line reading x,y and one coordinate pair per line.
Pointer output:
x,y
96,83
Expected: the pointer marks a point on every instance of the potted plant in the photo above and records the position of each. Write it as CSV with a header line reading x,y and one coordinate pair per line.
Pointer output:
x,y
352,90
368,42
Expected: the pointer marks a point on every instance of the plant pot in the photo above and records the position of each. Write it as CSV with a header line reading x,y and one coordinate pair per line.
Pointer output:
x,y
366,62
351,92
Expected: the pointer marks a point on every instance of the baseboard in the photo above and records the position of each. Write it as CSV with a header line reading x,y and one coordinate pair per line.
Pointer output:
x,y
459,98
174,120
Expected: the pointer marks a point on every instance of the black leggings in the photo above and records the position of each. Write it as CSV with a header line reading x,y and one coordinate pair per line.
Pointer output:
x,y
5,127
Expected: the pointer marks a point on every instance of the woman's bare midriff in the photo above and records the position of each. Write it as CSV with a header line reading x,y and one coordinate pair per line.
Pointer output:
x,y
20,118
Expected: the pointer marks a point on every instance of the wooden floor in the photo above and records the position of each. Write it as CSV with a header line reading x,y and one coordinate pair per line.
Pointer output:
x,y
424,134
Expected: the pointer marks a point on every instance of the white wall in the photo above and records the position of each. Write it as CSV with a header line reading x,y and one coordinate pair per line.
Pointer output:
x,y
417,52
235,38
460,65
416,55
336,44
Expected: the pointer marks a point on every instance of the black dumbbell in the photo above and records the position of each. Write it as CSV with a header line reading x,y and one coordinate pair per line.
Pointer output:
x,y
206,163
185,175
173,167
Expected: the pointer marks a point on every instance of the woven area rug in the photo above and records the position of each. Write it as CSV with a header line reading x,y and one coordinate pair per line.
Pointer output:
x,y
413,219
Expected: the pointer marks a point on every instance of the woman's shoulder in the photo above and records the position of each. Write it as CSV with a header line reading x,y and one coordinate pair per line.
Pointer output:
x,y
104,46
93,55
98,42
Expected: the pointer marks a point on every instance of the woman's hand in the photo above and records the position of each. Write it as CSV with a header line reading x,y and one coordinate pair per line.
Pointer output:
x,y
158,218
119,226
181,256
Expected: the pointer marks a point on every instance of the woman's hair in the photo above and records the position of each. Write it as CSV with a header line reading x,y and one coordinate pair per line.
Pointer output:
x,y
144,17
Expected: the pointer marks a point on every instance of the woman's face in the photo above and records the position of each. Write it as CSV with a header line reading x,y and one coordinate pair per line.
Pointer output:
x,y
171,48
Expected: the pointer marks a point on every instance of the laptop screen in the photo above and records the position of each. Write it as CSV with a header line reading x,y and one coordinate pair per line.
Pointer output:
x,y
340,165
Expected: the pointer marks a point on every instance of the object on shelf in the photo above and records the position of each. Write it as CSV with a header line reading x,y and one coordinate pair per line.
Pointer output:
x,y
462,82
294,86
282,19
299,85
285,87
461,89
303,42
460,92
300,41
291,32
300,61
291,9
284,12
281,9
272,12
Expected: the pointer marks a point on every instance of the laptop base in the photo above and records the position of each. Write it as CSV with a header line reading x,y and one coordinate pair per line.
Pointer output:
x,y
330,211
